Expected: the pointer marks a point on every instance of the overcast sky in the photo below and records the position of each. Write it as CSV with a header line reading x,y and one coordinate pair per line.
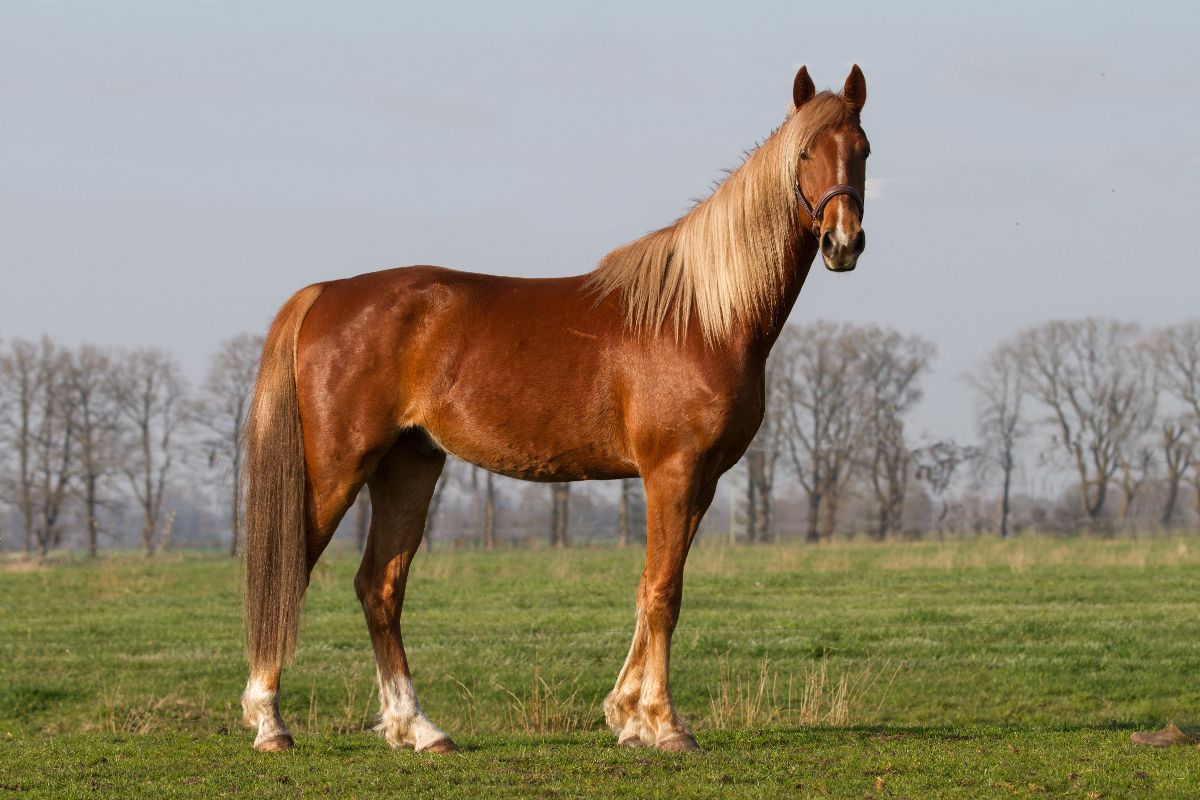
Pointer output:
x,y
171,171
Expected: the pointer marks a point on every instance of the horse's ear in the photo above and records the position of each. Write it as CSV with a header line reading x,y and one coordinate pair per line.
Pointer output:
x,y
802,88
855,90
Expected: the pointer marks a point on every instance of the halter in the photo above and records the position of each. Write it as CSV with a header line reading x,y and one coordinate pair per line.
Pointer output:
x,y
830,193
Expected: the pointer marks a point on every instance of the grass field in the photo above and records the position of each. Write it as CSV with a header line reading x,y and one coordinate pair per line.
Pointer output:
x,y
965,669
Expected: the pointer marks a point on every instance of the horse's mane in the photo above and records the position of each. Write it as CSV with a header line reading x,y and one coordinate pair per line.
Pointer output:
x,y
723,261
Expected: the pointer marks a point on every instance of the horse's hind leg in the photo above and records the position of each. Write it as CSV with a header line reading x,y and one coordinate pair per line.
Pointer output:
x,y
401,489
332,489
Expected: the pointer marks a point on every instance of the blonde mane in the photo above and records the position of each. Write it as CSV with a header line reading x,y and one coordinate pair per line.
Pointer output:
x,y
725,260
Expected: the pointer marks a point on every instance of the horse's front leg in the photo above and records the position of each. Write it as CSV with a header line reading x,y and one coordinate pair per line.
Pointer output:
x,y
640,709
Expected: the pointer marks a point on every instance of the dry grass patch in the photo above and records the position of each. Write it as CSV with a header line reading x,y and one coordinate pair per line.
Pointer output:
x,y
550,706
815,696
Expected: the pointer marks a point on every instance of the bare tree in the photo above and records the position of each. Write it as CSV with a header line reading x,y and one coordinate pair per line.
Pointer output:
x,y
1088,375
19,373
90,382
998,386
1137,456
449,473
762,456
1137,462
560,498
1178,456
1177,370
53,434
890,366
1177,360
222,408
819,397
149,388
936,466
758,498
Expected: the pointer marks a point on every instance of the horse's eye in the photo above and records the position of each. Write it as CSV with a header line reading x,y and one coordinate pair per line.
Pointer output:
x,y
804,155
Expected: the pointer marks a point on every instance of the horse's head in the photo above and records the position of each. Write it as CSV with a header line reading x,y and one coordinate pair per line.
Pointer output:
x,y
832,168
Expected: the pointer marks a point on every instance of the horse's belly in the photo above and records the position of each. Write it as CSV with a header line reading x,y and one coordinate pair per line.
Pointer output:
x,y
512,425
534,455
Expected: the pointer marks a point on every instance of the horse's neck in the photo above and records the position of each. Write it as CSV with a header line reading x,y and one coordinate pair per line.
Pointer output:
x,y
762,333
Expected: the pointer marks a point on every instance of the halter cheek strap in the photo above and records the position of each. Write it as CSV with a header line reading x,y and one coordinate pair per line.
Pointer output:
x,y
830,193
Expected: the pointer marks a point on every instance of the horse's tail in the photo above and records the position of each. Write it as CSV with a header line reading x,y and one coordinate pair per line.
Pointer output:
x,y
273,491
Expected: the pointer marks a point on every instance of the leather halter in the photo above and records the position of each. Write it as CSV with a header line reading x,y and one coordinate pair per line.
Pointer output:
x,y
830,193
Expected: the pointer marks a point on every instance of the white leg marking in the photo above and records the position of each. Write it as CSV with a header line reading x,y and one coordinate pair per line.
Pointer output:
x,y
401,720
260,707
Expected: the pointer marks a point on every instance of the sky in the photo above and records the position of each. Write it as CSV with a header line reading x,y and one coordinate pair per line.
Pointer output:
x,y
171,171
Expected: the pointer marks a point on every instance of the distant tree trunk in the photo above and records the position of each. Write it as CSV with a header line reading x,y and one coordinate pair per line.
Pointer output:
x,y
489,513
1004,500
1177,455
431,513
812,532
235,505
90,382
53,436
1196,491
362,518
1135,472
623,524
758,496
168,529
54,491
560,496
889,478
149,497
1171,500
93,527
752,477
830,508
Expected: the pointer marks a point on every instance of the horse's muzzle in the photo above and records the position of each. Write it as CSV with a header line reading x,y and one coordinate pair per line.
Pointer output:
x,y
841,252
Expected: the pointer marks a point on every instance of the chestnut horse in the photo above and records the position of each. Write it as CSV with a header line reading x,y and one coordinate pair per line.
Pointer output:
x,y
651,365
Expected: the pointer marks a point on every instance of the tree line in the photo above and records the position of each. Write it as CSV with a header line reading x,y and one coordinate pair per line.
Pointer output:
x,y
94,442
1104,408
86,431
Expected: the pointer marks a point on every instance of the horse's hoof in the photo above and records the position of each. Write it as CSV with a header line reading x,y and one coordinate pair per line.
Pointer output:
x,y
440,746
683,743
631,741
1168,736
275,744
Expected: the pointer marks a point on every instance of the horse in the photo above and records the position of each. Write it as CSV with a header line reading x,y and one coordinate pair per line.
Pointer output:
x,y
650,366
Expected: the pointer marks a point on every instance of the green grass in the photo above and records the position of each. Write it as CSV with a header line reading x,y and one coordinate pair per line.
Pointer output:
x,y
969,669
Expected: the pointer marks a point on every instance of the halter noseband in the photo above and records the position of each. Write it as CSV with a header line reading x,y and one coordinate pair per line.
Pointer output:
x,y
830,193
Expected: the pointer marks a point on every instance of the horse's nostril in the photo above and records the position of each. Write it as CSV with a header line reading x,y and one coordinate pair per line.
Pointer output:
x,y
826,242
860,242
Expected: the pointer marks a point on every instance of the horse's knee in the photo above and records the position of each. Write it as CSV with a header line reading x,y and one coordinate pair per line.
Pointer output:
x,y
660,604
380,598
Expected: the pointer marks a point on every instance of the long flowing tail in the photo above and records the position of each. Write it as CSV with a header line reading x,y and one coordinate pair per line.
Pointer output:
x,y
274,495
